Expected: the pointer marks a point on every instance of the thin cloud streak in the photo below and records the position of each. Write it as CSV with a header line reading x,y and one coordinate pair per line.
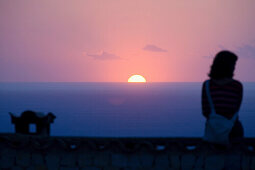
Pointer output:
x,y
153,48
246,51
242,51
104,56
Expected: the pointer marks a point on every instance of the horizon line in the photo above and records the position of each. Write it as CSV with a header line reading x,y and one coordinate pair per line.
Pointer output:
x,y
107,82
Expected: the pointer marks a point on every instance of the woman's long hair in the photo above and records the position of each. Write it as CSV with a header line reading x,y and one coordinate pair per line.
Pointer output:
x,y
223,65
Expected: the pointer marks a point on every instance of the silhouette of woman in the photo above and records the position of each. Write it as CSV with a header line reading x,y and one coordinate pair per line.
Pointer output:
x,y
226,93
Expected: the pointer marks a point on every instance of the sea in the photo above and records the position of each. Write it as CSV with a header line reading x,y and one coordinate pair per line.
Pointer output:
x,y
118,109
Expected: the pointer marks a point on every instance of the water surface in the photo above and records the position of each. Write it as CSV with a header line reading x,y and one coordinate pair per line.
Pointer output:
x,y
117,109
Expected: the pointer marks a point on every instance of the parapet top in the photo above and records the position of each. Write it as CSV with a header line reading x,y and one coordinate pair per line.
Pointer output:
x,y
33,117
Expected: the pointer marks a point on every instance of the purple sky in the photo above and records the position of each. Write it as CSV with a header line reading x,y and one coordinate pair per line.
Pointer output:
x,y
92,40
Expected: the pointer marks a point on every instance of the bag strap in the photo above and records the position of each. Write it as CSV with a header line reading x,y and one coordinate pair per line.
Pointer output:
x,y
207,88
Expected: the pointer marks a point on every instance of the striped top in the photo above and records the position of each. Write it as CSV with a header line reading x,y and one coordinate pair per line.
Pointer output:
x,y
226,98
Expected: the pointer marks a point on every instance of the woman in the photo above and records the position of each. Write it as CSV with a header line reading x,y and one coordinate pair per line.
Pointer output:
x,y
226,93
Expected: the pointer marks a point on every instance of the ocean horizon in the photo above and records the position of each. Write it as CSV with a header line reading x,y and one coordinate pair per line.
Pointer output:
x,y
106,109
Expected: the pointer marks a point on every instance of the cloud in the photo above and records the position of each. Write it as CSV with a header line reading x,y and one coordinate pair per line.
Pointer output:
x,y
153,48
243,51
246,51
104,56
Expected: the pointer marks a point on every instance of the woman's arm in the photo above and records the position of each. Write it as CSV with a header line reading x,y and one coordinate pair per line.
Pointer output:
x,y
205,103
240,87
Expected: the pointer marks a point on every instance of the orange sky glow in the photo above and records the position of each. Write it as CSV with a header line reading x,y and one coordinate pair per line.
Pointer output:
x,y
108,41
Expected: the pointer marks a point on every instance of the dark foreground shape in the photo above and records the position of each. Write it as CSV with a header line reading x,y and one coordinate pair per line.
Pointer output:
x,y
27,118
38,152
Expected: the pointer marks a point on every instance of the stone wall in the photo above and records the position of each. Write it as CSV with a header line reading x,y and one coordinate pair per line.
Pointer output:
x,y
66,153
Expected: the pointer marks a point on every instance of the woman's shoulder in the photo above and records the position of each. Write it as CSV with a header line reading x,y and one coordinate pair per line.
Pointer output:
x,y
203,84
232,82
237,83
206,81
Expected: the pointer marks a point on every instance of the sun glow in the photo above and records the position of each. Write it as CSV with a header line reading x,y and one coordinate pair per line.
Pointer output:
x,y
136,79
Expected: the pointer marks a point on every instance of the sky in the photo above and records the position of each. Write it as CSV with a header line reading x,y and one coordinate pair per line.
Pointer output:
x,y
110,40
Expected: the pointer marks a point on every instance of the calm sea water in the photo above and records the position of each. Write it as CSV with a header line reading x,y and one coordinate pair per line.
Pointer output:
x,y
117,109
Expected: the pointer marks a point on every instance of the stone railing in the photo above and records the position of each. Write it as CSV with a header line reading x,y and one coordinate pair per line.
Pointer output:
x,y
35,152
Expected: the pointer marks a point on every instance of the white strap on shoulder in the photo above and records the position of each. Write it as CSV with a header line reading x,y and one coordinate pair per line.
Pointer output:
x,y
207,88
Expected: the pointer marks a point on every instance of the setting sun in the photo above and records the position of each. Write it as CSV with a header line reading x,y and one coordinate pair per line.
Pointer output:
x,y
136,79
